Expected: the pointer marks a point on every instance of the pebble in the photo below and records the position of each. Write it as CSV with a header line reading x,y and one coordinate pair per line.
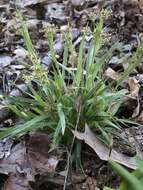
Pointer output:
x,y
21,88
5,61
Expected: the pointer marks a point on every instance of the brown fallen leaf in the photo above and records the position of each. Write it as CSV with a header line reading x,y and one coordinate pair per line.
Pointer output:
x,y
16,182
113,108
29,158
112,74
136,110
73,58
140,4
89,183
38,146
35,155
38,161
102,150
134,87
140,117
15,160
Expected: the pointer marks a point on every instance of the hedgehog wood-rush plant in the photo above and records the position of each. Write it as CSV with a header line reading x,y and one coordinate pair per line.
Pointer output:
x,y
68,97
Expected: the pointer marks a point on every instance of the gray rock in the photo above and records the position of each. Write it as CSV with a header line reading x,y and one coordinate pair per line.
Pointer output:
x,y
127,47
58,47
77,3
21,88
46,60
75,33
5,61
55,11
115,60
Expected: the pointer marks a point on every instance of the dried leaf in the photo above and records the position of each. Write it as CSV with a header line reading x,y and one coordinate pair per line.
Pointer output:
x,y
140,117
89,183
73,58
16,182
140,4
38,147
113,108
137,110
112,74
102,150
5,147
134,87
28,159
16,158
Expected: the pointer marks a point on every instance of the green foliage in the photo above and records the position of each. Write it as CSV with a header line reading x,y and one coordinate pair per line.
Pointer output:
x,y
130,181
68,94
32,54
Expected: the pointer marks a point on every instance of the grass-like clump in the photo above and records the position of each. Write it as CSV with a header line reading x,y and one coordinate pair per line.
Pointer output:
x,y
68,97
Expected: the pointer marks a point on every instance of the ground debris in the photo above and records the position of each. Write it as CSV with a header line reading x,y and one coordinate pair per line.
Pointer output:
x,y
25,160
102,150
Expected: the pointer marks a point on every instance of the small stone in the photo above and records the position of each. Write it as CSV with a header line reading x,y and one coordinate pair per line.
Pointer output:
x,y
5,61
77,3
115,60
20,53
47,61
58,47
21,88
127,47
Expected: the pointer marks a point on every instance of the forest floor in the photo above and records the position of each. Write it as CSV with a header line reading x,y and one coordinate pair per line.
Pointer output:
x,y
44,169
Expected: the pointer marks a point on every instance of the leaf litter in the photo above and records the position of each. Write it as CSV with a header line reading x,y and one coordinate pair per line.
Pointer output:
x,y
102,150
25,161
